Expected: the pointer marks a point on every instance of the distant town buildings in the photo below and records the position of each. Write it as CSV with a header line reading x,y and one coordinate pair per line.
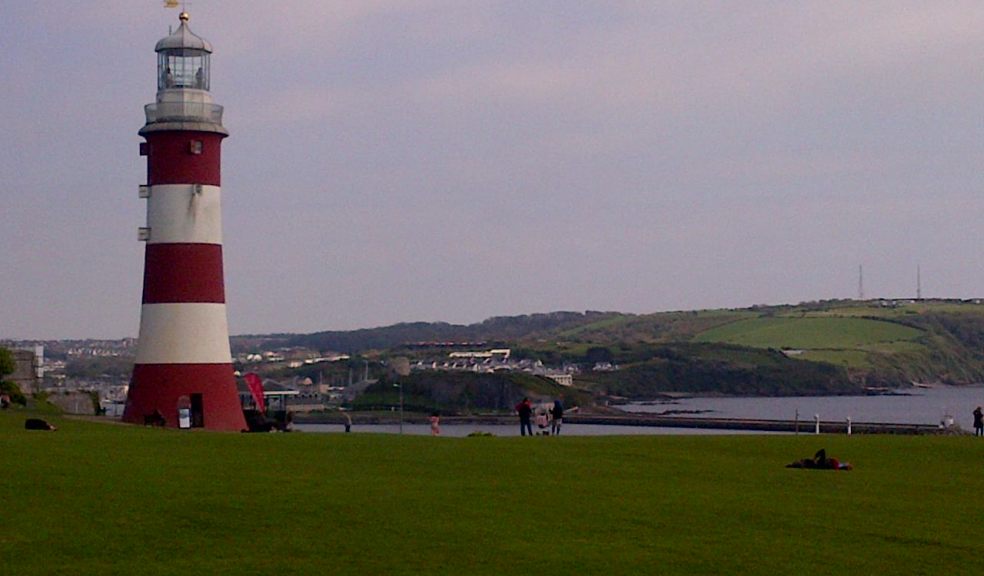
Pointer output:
x,y
496,360
300,379
295,358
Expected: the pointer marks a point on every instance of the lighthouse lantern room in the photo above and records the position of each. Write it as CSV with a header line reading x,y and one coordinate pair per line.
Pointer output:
x,y
183,374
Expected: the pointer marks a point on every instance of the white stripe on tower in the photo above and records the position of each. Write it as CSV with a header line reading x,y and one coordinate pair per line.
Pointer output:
x,y
184,214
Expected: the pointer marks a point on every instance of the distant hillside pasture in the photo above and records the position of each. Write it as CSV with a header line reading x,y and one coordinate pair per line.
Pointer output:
x,y
810,333
661,327
862,356
848,358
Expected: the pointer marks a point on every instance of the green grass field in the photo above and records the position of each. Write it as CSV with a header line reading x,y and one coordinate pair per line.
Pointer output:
x,y
850,358
96,498
809,333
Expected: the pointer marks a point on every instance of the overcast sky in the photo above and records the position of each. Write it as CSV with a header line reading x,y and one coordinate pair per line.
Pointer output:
x,y
454,160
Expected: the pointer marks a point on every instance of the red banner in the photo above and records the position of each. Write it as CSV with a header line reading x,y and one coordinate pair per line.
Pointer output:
x,y
255,386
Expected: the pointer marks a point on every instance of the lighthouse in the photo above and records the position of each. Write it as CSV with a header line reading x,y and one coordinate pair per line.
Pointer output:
x,y
183,374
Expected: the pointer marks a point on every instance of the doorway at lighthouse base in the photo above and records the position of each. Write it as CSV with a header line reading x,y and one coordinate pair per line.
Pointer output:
x,y
205,394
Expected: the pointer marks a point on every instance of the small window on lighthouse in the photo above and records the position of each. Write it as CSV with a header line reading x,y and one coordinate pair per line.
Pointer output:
x,y
195,147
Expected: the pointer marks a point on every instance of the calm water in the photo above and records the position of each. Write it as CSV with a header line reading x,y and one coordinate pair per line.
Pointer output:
x,y
916,406
913,406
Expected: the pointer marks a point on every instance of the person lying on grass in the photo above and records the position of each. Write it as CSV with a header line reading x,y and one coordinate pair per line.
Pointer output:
x,y
821,462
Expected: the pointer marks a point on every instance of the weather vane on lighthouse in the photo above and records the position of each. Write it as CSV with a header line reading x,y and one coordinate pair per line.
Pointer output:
x,y
183,374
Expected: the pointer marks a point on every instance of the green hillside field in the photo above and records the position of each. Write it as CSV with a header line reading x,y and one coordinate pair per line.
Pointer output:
x,y
810,333
95,498
879,344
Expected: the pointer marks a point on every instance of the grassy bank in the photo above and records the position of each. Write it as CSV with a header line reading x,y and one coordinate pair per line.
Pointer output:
x,y
97,498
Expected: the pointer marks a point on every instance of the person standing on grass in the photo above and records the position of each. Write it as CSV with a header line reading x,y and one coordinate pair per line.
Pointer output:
x,y
558,417
525,410
435,421
978,422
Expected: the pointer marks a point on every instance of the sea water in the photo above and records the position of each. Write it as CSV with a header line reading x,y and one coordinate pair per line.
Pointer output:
x,y
905,406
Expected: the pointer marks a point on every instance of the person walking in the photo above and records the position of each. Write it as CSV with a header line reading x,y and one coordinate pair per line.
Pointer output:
x,y
525,410
558,417
978,422
435,422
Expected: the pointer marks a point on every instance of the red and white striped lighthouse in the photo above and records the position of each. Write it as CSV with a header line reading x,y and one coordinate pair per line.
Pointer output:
x,y
183,369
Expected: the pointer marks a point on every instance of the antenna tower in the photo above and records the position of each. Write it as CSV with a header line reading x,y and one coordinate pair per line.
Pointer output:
x,y
860,282
918,283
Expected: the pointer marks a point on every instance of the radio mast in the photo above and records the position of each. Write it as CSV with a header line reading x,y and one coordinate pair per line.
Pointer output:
x,y
918,283
860,282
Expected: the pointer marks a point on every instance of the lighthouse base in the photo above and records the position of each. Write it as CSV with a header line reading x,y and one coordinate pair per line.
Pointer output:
x,y
207,391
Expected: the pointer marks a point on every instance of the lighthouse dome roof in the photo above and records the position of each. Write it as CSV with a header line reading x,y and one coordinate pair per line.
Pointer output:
x,y
183,39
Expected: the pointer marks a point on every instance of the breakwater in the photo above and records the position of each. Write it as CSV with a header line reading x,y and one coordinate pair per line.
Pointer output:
x,y
763,425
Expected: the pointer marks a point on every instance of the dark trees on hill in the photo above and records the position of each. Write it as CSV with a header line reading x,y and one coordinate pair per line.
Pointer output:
x,y
462,392
7,367
722,369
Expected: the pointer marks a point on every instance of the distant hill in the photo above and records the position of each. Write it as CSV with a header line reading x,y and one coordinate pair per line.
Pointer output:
x,y
497,329
831,347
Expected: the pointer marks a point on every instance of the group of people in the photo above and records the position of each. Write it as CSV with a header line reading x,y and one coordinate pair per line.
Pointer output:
x,y
548,418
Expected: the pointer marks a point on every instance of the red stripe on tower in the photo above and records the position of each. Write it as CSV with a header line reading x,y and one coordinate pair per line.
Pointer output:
x,y
183,273
183,157
183,374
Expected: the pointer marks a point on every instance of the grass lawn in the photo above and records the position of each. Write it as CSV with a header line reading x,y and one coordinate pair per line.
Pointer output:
x,y
95,498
